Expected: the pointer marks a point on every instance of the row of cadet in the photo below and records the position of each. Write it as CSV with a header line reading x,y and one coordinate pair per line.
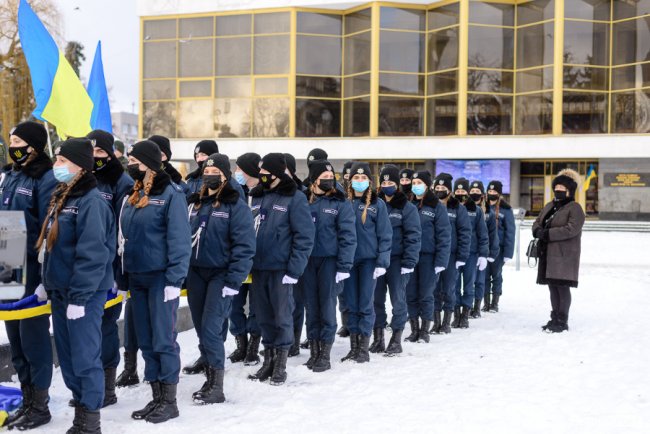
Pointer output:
x,y
95,232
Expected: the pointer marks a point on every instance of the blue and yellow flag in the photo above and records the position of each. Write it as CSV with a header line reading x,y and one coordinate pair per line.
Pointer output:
x,y
60,97
101,115
591,174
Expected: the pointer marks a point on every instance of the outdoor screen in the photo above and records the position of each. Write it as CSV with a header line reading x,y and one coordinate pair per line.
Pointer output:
x,y
483,170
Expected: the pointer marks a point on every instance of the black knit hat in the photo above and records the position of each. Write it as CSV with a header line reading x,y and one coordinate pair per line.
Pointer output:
x,y
316,168
424,176
208,147
291,163
347,166
389,173
496,186
315,155
148,152
566,181
444,179
221,162
477,184
408,173
249,163
32,133
104,140
274,163
163,144
360,168
462,184
79,151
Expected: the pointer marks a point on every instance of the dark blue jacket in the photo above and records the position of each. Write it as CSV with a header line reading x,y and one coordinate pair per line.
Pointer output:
x,y
506,228
436,228
29,189
157,237
194,182
461,230
480,240
375,236
81,260
227,239
336,234
493,234
285,231
407,232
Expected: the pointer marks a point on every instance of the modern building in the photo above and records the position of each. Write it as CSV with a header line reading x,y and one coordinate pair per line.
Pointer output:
x,y
125,126
512,88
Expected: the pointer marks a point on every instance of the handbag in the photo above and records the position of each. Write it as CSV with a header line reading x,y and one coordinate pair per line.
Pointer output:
x,y
533,252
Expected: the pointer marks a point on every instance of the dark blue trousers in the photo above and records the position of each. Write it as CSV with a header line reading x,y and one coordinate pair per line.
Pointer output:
x,y
274,308
111,337
420,287
130,338
239,323
320,291
299,309
359,291
445,293
209,309
79,348
479,284
465,282
393,282
31,350
494,276
155,327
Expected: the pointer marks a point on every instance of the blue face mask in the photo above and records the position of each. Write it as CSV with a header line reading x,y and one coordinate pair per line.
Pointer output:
x,y
360,186
389,191
419,189
62,174
239,177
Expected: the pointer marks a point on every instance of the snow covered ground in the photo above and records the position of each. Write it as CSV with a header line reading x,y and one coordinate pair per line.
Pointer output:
x,y
501,375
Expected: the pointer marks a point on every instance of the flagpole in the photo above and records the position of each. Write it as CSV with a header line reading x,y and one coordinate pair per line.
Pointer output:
x,y
49,141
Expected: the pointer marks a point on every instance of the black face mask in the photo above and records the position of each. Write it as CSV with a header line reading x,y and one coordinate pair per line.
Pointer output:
x,y
493,197
462,198
476,197
19,154
442,194
326,184
101,163
560,195
213,182
406,188
135,172
266,180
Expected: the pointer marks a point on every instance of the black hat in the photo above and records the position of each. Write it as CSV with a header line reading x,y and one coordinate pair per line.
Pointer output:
x,y
32,133
219,161
274,163
316,168
103,140
567,178
249,163
389,173
462,184
496,186
163,144
444,179
208,147
148,152
360,168
347,166
424,176
291,163
314,155
407,173
79,151
479,185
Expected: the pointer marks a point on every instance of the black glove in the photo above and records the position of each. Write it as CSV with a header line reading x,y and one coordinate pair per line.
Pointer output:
x,y
538,232
545,235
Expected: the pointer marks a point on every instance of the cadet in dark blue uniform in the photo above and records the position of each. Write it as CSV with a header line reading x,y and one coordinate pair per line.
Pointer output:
x,y
202,151
223,246
477,259
461,234
343,331
404,256
114,185
477,194
371,259
434,257
155,247
330,261
506,229
405,180
166,156
27,186
77,244
285,237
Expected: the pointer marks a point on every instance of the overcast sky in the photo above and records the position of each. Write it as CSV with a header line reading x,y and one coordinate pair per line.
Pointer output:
x,y
115,23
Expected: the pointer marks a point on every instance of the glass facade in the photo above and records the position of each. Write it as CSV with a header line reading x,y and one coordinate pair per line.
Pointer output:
x,y
452,68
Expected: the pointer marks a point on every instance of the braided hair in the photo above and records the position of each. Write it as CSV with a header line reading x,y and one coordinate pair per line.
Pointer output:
x,y
135,199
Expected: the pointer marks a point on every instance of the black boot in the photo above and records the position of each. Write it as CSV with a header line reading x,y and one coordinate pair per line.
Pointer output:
x,y
37,414
85,422
28,398
423,336
198,367
464,317
166,408
476,310
156,393
561,324
129,376
314,351
446,321
437,323
363,355
456,322
213,392
294,350
279,375
252,353
395,344
305,344
486,302
550,322
239,355
322,364
264,373
494,306
343,331
354,348
378,344
415,330
110,397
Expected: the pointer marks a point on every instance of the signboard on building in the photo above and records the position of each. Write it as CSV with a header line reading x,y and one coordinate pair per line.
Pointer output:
x,y
483,170
627,180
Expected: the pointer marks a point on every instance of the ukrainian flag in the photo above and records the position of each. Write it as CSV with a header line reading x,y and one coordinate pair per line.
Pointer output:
x,y
591,174
60,97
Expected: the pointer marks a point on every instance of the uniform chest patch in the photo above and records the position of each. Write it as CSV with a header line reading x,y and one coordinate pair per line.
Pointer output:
x,y
428,213
70,210
107,196
157,202
370,209
24,191
221,214
331,211
395,215
451,215
279,208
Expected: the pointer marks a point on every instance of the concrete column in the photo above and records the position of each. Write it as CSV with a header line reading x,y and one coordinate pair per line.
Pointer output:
x,y
515,182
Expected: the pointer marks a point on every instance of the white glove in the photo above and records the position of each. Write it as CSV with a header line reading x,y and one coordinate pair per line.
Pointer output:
x,y
225,292
123,294
440,270
505,260
287,280
407,270
340,277
482,264
40,292
459,264
490,260
171,293
378,273
75,312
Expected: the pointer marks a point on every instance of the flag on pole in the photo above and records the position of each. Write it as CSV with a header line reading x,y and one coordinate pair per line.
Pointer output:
x,y
101,115
60,97
591,174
